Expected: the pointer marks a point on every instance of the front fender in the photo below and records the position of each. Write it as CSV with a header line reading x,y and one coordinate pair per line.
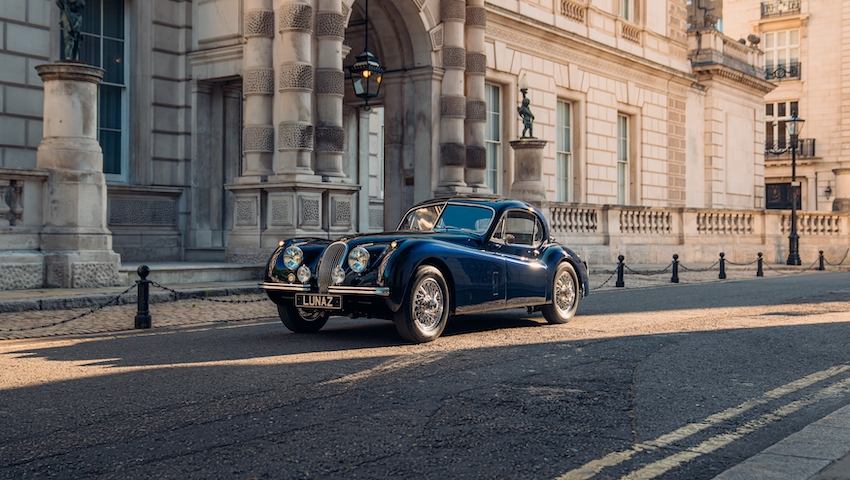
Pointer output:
x,y
405,259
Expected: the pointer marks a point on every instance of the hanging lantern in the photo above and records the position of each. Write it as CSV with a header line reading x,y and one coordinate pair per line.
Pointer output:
x,y
366,76
366,73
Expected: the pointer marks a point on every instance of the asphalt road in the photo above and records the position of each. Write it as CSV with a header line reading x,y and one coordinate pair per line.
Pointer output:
x,y
682,381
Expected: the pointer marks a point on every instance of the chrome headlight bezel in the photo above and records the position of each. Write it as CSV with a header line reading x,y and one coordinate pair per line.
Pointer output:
x,y
304,274
292,257
338,275
358,259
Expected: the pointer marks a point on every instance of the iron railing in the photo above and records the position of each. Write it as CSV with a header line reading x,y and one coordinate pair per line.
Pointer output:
x,y
805,147
779,7
787,70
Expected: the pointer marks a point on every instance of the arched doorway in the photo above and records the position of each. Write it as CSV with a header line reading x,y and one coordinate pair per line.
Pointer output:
x,y
405,139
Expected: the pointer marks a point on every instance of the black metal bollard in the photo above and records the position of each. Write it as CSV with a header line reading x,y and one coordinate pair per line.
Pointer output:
x,y
760,271
620,282
722,275
675,278
143,314
820,261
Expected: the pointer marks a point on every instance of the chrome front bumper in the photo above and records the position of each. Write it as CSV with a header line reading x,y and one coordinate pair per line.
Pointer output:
x,y
337,289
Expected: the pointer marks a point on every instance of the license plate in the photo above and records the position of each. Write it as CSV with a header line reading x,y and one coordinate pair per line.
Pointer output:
x,y
317,300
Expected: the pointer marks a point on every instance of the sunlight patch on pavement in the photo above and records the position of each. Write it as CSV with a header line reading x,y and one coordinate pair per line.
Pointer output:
x,y
592,468
389,366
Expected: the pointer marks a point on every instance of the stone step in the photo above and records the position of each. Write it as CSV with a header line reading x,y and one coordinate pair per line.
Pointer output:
x,y
176,273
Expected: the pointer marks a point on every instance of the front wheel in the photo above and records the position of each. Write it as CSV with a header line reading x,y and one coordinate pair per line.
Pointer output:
x,y
425,310
564,295
300,320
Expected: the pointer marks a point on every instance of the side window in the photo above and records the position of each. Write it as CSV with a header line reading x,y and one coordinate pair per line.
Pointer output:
x,y
519,228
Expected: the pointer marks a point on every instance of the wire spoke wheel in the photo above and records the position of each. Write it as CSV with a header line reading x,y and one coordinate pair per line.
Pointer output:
x,y
425,310
565,295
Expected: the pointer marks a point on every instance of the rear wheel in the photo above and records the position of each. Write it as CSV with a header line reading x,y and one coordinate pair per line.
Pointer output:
x,y
425,311
300,320
564,295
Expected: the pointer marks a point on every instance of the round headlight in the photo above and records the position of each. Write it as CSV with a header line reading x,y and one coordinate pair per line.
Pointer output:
x,y
303,274
292,257
358,259
338,275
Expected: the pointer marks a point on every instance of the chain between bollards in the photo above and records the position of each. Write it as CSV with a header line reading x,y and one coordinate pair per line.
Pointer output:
x,y
143,315
620,282
675,278
722,275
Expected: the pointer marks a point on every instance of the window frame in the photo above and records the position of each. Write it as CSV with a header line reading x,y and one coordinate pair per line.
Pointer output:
x,y
123,162
493,176
565,158
771,53
624,159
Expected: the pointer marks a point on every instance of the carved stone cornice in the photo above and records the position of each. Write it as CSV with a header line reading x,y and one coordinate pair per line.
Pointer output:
x,y
714,70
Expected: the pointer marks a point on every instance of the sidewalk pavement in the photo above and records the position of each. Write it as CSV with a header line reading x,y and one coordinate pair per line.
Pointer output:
x,y
821,451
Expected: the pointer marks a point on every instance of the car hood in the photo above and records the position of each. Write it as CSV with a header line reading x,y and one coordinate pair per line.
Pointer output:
x,y
386,238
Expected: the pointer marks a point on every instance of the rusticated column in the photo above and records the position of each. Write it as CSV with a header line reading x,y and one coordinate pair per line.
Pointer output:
x,y
452,100
330,88
476,106
258,88
295,85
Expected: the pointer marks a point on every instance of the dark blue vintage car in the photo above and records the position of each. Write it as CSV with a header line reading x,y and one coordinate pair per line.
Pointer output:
x,y
447,257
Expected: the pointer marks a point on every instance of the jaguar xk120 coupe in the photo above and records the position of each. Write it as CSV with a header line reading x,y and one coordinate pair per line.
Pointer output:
x,y
447,257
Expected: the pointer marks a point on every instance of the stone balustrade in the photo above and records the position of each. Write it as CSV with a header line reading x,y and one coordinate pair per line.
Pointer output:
x,y
654,234
20,201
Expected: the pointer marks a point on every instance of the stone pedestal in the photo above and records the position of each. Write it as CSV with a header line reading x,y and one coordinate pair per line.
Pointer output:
x,y
842,190
528,171
75,242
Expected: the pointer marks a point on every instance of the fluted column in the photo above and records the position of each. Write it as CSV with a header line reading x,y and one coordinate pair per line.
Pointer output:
x,y
452,100
258,88
330,88
295,86
476,106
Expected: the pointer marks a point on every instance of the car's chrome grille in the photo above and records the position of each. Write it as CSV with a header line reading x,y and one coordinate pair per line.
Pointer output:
x,y
332,258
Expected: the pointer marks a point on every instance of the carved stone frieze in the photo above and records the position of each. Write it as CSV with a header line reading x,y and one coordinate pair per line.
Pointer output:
x,y
258,80
476,16
452,106
453,9
142,211
295,135
341,212
453,154
330,24
476,156
330,82
454,57
476,110
295,16
330,139
246,212
258,138
281,211
259,23
309,212
295,76
476,63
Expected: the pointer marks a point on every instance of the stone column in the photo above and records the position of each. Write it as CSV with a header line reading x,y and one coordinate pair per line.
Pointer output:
x,y
842,190
394,128
76,244
258,88
330,88
426,114
294,103
452,100
528,171
476,106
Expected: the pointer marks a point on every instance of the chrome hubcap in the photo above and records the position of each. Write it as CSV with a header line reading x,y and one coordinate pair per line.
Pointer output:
x,y
565,292
428,304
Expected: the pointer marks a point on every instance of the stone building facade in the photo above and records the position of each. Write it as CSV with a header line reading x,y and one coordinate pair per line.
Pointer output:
x,y
227,125
807,59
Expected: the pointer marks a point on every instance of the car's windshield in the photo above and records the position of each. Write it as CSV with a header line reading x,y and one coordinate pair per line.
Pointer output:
x,y
467,218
